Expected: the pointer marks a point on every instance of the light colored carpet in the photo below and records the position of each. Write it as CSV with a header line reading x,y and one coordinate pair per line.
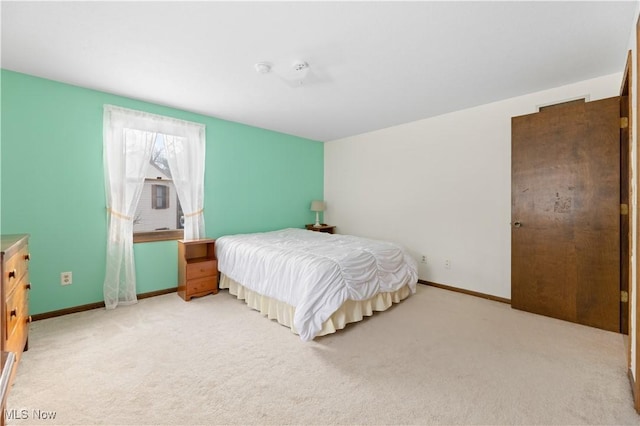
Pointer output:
x,y
437,358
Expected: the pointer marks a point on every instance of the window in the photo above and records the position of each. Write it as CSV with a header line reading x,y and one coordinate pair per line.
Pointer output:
x,y
159,197
158,215
129,139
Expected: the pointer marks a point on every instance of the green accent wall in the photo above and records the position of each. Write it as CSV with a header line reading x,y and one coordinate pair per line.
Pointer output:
x,y
52,186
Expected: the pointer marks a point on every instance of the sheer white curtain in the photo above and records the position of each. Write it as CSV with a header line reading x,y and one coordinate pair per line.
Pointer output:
x,y
186,162
128,141
126,158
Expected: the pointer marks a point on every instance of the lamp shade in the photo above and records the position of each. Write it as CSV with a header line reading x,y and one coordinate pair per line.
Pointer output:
x,y
318,206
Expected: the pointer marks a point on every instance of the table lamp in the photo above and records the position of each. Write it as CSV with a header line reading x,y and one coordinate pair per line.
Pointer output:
x,y
317,206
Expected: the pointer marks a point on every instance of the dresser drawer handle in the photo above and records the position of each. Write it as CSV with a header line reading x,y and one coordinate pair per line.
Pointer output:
x,y
28,286
27,257
12,274
14,312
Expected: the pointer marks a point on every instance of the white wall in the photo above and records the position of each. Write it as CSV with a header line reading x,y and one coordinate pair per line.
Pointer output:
x,y
441,186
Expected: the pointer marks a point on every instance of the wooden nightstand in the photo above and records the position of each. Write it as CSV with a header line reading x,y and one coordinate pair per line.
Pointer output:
x,y
329,229
197,268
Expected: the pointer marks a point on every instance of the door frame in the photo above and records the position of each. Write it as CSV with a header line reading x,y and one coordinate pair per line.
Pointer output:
x,y
626,116
634,323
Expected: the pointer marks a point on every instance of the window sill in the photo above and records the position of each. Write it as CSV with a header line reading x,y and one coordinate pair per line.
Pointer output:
x,y
147,237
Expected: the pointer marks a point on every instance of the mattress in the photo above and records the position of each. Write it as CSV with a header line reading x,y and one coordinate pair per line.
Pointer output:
x,y
314,272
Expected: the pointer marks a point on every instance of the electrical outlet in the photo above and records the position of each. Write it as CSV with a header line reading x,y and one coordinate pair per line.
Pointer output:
x,y
66,278
423,259
447,264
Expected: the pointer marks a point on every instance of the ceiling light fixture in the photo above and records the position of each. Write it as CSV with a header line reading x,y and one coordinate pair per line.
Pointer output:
x,y
263,67
300,66
295,76
301,70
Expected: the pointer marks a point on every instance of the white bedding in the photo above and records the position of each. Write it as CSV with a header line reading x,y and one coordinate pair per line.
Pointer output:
x,y
314,272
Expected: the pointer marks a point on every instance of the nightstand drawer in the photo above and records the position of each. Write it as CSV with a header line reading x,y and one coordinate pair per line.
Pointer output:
x,y
202,285
202,269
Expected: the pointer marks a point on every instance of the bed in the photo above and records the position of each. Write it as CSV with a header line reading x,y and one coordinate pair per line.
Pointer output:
x,y
314,282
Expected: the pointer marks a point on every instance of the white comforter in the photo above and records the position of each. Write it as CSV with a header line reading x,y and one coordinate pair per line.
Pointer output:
x,y
314,272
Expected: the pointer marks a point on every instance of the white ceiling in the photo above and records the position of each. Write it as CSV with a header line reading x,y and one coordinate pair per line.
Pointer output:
x,y
372,64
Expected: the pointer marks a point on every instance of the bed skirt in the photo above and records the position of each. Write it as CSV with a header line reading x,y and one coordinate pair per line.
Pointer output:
x,y
350,311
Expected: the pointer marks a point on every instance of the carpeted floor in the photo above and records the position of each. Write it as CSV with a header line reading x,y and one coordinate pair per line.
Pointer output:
x,y
437,358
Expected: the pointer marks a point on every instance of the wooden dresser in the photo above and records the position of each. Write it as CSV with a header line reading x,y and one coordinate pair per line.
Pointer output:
x,y
14,254
14,250
197,268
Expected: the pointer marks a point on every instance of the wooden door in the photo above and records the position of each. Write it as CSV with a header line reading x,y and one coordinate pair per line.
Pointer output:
x,y
565,212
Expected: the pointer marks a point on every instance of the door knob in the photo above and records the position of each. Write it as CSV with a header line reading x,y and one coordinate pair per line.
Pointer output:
x,y
517,224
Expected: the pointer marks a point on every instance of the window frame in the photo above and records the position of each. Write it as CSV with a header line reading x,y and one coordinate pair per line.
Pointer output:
x,y
162,235
160,192
166,234
152,236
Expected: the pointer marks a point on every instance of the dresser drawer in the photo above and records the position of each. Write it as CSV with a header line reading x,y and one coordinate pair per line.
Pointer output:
x,y
16,267
202,269
16,314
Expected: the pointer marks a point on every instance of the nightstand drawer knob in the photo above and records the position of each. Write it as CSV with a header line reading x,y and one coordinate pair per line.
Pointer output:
x,y
28,286
12,273
14,312
27,257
